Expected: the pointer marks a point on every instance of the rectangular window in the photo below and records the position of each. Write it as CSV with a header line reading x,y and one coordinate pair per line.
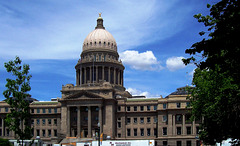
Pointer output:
x,y
49,121
38,132
179,118
32,121
179,143
142,132
189,143
128,108
38,122
148,108
6,109
128,132
148,132
119,124
43,133
164,105
44,110
188,130
32,132
55,132
188,104
38,110
164,130
135,120
128,120
141,120
49,133
155,131
197,130
178,104
148,120
135,108
55,121
7,132
155,119
155,107
43,121
49,110
55,110
142,108
165,143
119,108
135,132
97,109
164,118
32,111
119,135
179,130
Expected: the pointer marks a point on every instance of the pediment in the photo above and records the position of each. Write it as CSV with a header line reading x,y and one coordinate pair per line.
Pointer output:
x,y
83,95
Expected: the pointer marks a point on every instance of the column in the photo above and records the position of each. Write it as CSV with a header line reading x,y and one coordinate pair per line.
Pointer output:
x,y
3,127
103,73
109,74
118,77
183,125
89,122
79,121
100,117
68,122
96,74
81,76
174,125
194,128
85,75
90,74
77,77
114,76
122,78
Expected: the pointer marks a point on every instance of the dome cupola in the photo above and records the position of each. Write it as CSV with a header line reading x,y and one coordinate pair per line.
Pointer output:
x,y
99,39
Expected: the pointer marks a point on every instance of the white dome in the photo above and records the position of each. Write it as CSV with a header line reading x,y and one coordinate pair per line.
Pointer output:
x,y
99,39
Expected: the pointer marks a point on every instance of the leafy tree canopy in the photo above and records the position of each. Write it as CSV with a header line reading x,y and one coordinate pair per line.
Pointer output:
x,y
216,95
16,94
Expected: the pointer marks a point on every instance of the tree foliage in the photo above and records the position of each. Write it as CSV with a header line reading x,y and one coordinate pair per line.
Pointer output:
x,y
16,96
216,95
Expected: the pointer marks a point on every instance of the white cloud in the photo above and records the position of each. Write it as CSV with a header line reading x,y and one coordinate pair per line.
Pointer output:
x,y
175,63
136,92
140,61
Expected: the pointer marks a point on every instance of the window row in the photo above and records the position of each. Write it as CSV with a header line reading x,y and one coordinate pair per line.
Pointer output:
x,y
179,130
141,132
43,121
140,108
46,133
141,120
44,110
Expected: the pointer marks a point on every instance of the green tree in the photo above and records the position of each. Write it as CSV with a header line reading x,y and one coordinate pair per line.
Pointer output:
x,y
16,96
216,95
5,142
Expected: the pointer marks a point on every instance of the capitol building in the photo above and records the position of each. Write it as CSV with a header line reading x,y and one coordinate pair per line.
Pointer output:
x,y
99,101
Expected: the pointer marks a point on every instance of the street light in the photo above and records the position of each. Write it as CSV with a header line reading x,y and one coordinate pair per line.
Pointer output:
x,y
98,134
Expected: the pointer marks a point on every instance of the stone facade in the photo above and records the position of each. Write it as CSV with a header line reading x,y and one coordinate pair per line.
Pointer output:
x,y
99,101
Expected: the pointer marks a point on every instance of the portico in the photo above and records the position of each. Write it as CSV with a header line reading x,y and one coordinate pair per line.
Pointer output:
x,y
83,120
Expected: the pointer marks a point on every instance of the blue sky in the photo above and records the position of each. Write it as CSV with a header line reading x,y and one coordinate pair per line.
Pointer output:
x,y
151,35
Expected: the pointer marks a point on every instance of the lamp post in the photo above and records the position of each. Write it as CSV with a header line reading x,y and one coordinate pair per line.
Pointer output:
x,y
98,134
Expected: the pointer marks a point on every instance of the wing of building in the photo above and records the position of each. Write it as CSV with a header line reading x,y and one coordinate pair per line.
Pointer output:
x,y
100,101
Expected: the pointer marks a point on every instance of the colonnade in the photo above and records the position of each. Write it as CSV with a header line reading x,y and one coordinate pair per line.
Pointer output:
x,y
79,128
95,74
